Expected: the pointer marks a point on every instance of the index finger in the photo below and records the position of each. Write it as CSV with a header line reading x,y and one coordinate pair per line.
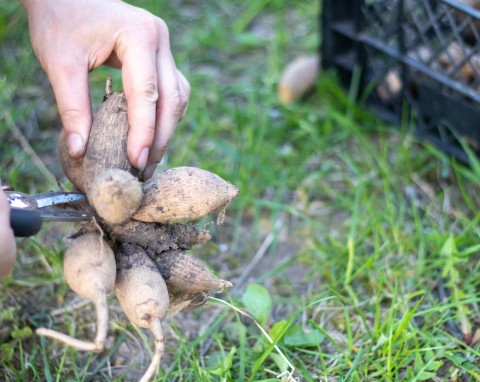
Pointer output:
x,y
7,239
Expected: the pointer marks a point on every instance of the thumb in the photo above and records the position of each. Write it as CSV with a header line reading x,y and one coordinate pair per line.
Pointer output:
x,y
70,86
7,240
4,211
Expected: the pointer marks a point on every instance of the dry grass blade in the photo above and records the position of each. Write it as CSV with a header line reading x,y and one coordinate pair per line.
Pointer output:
x,y
258,256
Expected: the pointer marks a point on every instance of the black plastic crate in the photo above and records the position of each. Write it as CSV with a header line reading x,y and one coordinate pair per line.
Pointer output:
x,y
417,59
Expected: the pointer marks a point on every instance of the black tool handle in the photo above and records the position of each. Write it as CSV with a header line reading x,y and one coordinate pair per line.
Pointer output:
x,y
25,223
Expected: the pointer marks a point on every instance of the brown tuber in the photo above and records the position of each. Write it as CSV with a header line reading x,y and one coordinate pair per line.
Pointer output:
x,y
143,295
159,237
108,181
184,194
107,145
89,268
184,272
116,195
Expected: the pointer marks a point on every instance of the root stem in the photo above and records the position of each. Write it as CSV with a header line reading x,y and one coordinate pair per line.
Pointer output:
x,y
102,321
156,329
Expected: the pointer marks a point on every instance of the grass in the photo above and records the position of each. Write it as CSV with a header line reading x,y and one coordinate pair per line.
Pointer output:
x,y
361,242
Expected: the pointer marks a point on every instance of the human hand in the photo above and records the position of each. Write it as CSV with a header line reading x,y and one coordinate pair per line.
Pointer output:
x,y
8,247
73,37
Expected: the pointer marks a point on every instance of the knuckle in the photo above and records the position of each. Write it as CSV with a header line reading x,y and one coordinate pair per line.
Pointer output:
x,y
148,92
70,113
162,27
153,28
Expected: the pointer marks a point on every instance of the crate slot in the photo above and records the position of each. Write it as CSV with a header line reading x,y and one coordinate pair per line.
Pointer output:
x,y
428,49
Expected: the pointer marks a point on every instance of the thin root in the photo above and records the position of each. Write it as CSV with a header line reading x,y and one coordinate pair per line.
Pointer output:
x,y
204,297
156,329
70,341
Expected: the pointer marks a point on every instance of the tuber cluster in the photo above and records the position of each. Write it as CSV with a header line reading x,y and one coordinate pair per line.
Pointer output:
x,y
138,245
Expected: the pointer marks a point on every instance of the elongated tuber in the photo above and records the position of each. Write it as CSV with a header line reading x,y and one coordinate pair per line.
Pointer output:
x,y
159,237
116,195
185,272
89,268
143,296
107,145
140,288
184,194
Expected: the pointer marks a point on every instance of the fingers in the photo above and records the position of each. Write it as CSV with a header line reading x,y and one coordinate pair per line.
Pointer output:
x,y
168,105
172,105
70,85
170,112
7,240
185,94
157,95
140,83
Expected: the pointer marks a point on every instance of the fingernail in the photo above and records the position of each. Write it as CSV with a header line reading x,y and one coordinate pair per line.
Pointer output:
x,y
142,158
147,174
76,144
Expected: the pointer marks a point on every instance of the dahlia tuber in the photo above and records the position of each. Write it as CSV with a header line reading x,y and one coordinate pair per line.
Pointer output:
x,y
143,295
184,194
184,272
89,269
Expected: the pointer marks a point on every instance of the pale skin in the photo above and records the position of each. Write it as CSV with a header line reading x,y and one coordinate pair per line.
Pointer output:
x,y
7,240
72,38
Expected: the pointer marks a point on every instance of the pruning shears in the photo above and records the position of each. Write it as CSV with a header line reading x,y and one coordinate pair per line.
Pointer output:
x,y
28,212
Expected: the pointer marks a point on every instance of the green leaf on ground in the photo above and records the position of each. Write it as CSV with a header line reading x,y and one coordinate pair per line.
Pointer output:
x,y
258,302
300,336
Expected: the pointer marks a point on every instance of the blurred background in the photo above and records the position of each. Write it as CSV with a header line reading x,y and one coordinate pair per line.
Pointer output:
x,y
353,244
